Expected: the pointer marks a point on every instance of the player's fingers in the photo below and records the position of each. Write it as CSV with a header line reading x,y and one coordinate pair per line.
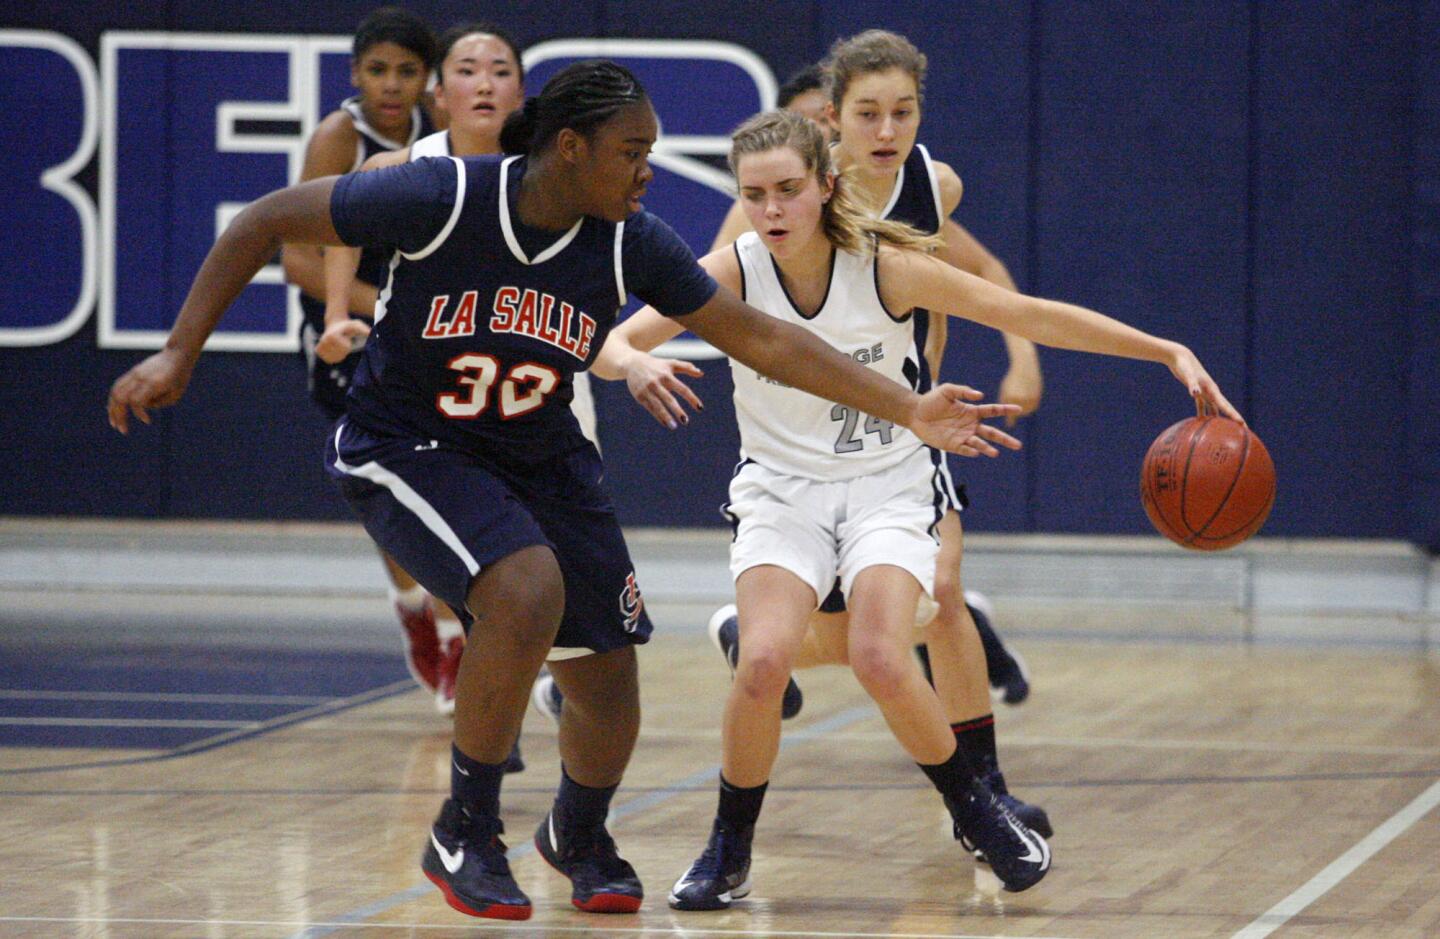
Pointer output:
x,y
674,414
961,392
141,413
996,435
979,445
657,411
689,368
683,390
1220,403
985,411
119,418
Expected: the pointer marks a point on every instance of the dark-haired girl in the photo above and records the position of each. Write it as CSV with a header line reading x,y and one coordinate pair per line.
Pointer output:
x,y
389,66
460,455
480,82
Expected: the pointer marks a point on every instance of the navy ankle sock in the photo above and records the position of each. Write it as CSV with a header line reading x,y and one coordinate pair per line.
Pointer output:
x,y
581,806
951,777
740,807
475,785
977,737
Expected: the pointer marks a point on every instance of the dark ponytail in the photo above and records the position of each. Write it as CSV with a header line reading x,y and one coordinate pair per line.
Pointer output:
x,y
582,97
518,129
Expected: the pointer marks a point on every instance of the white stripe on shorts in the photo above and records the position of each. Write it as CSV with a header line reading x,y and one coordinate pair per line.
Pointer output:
x,y
412,500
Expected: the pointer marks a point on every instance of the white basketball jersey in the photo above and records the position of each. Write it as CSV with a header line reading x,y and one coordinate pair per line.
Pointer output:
x,y
792,431
436,144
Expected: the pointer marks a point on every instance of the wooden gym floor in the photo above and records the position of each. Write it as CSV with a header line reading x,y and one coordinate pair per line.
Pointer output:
x,y
172,788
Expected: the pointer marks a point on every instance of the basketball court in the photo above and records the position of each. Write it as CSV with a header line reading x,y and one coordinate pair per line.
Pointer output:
x,y
216,747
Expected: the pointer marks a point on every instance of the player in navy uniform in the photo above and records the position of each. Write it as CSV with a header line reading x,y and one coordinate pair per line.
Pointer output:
x,y
390,64
480,81
460,455
824,494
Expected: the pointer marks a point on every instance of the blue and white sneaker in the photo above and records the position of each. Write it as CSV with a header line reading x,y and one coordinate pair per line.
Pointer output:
x,y
990,830
1034,817
724,630
546,696
720,875
465,858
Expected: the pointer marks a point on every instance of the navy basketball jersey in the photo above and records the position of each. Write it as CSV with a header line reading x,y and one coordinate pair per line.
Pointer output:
x,y
368,142
328,383
482,321
915,200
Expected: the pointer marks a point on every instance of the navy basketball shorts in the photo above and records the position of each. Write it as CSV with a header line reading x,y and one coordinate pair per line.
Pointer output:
x,y
445,516
956,500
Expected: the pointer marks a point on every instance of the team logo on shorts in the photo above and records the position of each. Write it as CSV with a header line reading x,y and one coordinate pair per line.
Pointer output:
x,y
631,604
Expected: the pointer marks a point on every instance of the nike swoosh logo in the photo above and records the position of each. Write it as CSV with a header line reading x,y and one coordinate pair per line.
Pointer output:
x,y
452,862
459,767
554,845
1032,853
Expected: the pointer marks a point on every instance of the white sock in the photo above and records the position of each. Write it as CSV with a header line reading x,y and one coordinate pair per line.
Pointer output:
x,y
412,599
446,626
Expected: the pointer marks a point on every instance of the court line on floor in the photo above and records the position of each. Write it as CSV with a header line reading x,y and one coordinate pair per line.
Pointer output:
x,y
698,780
502,926
234,736
22,694
1140,638
1080,743
1343,866
666,791
120,722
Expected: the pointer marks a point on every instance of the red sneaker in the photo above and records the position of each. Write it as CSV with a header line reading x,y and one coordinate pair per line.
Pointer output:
x,y
422,645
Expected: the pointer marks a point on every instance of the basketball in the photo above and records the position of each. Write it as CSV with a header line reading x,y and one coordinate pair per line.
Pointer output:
x,y
1207,483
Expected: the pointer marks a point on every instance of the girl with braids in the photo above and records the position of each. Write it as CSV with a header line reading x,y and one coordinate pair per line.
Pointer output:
x,y
826,490
461,456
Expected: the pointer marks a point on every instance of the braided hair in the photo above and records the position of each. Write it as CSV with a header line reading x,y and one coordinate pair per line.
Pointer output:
x,y
582,97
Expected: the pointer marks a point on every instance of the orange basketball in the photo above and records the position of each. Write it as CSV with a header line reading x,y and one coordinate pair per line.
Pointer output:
x,y
1207,483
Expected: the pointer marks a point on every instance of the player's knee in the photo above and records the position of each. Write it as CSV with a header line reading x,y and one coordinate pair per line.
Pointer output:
x,y
880,669
523,595
762,672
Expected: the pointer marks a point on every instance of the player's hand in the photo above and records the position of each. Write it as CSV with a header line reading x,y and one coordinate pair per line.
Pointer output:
x,y
1208,399
944,418
157,382
655,383
340,339
1022,386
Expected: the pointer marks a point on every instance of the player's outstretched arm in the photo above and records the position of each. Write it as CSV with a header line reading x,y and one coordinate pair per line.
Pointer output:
x,y
943,418
911,279
653,382
299,214
1024,382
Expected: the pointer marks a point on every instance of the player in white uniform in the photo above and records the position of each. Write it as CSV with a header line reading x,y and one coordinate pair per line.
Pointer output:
x,y
873,91
826,491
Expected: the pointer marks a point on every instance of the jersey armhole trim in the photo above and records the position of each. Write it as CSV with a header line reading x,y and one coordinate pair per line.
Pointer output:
x,y
454,215
740,263
934,186
880,297
620,263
